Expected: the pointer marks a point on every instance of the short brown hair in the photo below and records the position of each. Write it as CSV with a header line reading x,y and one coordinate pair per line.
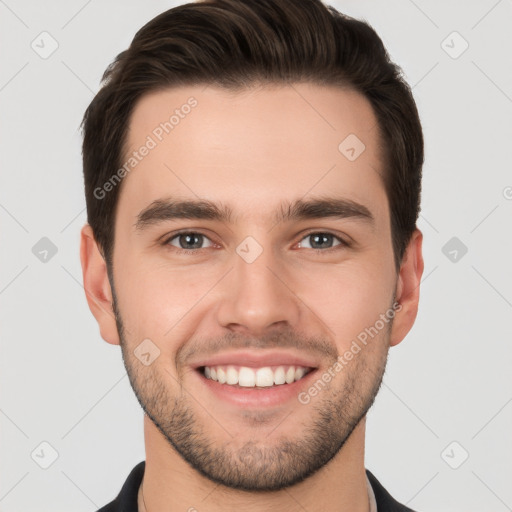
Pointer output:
x,y
236,44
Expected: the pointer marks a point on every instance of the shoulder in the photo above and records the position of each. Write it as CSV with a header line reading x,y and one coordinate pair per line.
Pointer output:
x,y
126,500
385,502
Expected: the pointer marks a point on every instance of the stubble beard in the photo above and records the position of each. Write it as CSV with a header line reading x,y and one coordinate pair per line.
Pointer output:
x,y
269,463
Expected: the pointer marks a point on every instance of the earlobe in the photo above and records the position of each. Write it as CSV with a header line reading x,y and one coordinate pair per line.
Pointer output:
x,y
97,285
408,289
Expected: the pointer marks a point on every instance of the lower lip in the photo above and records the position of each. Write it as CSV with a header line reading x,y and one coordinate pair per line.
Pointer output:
x,y
270,396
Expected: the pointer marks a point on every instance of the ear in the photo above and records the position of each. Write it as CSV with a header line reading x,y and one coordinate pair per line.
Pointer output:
x,y
408,289
97,285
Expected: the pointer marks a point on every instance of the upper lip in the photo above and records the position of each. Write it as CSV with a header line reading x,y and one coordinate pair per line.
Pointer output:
x,y
257,359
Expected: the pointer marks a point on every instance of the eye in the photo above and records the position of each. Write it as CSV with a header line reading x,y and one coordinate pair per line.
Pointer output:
x,y
321,241
188,241
191,242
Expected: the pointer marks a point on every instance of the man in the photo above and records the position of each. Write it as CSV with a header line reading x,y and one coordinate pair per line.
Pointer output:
x,y
252,175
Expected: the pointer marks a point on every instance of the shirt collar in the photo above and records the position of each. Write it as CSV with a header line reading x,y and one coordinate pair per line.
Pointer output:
x,y
371,496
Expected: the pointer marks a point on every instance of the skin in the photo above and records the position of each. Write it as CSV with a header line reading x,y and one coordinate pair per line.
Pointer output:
x,y
252,150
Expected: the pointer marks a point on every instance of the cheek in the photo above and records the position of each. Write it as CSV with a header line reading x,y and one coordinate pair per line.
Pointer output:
x,y
347,299
162,302
155,299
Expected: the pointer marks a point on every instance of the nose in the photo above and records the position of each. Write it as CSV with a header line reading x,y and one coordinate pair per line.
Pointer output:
x,y
258,296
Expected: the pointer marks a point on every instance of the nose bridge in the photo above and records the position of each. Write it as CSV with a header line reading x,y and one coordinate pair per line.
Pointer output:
x,y
253,268
256,296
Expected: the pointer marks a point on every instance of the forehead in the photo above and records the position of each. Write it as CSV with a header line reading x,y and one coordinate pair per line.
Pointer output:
x,y
253,148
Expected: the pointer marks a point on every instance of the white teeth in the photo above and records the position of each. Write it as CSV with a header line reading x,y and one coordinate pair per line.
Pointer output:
x,y
246,378
299,373
264,377
221,375
231,375
279,376
252,377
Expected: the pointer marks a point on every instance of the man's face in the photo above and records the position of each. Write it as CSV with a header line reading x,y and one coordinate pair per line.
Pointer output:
x,y
299,289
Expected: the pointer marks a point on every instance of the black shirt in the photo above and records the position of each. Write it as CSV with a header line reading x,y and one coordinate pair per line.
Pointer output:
x,y
126,500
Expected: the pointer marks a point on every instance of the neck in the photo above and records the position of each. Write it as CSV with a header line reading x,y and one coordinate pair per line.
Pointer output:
x,y
171,484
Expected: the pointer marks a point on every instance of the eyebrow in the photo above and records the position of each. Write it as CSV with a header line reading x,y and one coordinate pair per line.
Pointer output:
x,y
167,209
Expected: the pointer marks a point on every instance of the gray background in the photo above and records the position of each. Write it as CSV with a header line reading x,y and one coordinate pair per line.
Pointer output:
x,y
449,381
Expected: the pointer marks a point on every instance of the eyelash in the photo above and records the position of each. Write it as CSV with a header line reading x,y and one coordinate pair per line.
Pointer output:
x,y
190,252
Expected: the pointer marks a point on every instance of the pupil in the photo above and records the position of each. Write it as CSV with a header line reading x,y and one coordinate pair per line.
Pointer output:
x,y
191,237
196,240
322,238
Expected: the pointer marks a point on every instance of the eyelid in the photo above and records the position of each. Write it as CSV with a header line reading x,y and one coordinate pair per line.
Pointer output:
x,y
167,239
343,242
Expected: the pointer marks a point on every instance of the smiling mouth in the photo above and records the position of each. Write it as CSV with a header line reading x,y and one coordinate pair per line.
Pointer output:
x,y
250,377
